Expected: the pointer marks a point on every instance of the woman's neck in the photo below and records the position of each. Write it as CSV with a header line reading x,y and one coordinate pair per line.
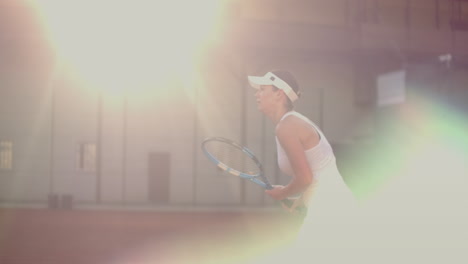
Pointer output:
x,y
276,116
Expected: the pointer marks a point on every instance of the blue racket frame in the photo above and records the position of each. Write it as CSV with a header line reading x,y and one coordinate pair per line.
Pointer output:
x,y
259,178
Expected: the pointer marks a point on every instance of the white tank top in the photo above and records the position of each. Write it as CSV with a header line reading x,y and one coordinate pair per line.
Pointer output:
x,y
318,157
329,189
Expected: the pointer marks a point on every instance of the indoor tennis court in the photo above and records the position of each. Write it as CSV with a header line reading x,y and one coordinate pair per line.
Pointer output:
x,y
105,107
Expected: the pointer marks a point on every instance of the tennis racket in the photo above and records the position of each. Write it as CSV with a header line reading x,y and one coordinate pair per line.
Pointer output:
x,y
239,161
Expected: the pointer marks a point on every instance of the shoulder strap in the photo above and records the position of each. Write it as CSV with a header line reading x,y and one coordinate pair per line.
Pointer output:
x,y
306,120
287,114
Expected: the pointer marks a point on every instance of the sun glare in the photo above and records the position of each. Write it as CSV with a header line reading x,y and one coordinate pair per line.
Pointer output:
x,y
123,45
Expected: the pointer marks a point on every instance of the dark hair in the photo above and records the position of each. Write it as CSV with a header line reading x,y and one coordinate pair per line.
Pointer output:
x,y
289,78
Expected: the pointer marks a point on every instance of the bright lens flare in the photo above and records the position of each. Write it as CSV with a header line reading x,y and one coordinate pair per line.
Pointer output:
x,y
420,199
117,45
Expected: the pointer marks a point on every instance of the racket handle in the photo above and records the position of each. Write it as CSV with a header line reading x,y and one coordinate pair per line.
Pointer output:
x,y
287,202
300,209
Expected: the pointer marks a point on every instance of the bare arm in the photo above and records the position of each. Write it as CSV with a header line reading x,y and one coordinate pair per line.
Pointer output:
x,y
288,133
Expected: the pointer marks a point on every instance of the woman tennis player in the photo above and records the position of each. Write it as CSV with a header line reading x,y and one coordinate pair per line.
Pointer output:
x,y
304,154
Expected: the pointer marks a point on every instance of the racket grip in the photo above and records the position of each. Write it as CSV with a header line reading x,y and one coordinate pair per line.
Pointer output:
x,y
287,202
300,209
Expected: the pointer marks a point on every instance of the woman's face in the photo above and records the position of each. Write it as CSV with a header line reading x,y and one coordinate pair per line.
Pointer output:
x,y
266,97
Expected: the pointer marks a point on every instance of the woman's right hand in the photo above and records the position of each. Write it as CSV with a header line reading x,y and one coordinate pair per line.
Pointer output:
x,y
277,192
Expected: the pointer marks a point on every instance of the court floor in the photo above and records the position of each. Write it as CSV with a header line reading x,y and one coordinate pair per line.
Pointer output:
x,y
122,237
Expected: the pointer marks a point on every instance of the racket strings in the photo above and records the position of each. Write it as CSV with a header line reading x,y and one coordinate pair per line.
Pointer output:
x,y
233,157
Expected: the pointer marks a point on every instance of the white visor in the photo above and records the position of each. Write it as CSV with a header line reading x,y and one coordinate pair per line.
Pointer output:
x,y
271,79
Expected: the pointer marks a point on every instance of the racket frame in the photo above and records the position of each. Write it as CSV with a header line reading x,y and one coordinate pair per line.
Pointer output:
x,y
258,178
